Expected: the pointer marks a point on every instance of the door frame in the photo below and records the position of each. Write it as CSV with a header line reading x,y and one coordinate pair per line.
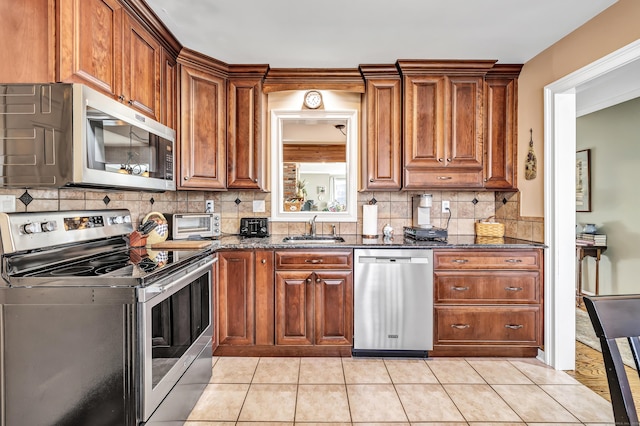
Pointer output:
x,y
559,211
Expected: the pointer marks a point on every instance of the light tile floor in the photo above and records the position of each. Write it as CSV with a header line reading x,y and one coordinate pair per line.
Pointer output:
x,y
444,391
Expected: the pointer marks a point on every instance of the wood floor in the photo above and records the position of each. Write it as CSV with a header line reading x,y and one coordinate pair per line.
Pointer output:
x,y
590,372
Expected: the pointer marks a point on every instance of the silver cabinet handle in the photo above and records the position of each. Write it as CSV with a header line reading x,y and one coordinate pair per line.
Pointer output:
x,y
370,180
460,260
445,177
308,280
513,326
513,288
460,288
318,280
186,178
460,326
440,160
513,260
314,261
448,160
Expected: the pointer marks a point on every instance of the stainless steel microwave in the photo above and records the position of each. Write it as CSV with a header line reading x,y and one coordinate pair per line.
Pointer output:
x,y
65,135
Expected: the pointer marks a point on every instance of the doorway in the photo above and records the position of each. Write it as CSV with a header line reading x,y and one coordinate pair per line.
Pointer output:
x,y
559,211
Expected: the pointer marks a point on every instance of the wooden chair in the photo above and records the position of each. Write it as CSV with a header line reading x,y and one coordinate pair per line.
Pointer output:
x,y
615,317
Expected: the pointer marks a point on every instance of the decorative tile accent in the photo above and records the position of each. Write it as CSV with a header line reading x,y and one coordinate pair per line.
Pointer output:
x,y
373,201
475,201
26,198
504,201
152,201
238,201
106,200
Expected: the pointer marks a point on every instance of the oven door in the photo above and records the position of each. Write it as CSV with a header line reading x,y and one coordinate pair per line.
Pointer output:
x,y
175,327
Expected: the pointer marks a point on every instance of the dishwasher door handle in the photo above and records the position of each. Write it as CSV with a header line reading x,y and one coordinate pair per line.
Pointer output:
x,y
392,260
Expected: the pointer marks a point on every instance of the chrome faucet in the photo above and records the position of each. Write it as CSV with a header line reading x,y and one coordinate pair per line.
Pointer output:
x,y
312,222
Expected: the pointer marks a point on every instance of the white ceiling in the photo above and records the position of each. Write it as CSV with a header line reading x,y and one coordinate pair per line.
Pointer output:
x,y
347,33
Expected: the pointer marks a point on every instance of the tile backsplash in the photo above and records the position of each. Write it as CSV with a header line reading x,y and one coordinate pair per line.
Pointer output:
x,y
394,208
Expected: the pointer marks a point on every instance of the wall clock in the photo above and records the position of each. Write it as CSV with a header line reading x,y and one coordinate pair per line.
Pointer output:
x,y
313,99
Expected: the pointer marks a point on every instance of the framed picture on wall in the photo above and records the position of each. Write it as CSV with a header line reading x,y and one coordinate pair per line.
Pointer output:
x,y
583,180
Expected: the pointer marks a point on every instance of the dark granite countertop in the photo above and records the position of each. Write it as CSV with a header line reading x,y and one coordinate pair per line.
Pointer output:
x,y
356,241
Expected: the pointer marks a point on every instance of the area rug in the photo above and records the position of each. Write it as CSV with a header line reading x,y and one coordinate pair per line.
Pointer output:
x,y
586,335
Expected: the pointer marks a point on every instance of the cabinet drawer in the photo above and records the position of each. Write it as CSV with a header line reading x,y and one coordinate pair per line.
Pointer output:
x,y
487,259
487,287
488,325
314,259
442,178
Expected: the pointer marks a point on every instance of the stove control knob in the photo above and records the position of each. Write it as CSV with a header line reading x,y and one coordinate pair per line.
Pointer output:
x,y
30,228
48,226
117,220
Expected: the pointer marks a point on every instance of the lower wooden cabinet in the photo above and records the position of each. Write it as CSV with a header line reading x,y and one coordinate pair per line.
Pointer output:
x,y
287,303
488,302
314,308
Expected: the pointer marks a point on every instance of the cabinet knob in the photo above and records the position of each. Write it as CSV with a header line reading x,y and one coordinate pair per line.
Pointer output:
x,y
264,261
440,160
448,160
308,280
318,280
485,179
121,98
186,178
130,102
370,180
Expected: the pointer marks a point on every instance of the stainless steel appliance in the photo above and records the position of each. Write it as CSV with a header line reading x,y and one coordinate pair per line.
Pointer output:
x,y
393,302
254,227
93,331
193,225
57,135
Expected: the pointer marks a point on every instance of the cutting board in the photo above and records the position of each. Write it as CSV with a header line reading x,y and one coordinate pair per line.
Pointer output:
x,y
181,245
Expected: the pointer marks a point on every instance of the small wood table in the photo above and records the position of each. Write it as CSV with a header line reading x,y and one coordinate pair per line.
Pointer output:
x,y
583,251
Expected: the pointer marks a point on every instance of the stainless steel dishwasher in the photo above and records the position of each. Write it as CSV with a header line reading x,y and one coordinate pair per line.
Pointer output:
x,y
393,302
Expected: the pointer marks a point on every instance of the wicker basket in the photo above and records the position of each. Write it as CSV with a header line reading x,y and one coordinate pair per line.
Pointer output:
x,y
489,228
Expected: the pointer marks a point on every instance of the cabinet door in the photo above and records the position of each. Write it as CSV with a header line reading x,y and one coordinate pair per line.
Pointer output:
x,y
423,121
202,130
141,66
333,307
500,143
169,90
463,141
35,35
264,297
383,136
236,298
245,153
91,44
294,308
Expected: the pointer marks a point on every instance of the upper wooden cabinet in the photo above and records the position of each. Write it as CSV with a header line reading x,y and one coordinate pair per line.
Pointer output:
x,y
443,123
246,112
102,46
114,46
382,130
501,111
203,130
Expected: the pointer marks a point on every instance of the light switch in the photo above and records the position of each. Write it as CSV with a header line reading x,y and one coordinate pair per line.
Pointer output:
x,y
258,206
7,203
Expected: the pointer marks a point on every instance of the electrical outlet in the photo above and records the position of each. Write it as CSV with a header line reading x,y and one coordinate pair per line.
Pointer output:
x,y
258,206
208,206
445,206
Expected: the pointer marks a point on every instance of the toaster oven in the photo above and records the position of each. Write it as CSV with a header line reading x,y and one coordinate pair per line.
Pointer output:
x,y
193,225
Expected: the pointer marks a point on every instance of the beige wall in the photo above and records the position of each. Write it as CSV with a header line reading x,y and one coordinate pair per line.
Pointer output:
x,y
612,29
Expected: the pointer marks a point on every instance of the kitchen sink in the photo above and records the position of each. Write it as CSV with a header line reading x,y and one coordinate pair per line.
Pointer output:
x,y
312,239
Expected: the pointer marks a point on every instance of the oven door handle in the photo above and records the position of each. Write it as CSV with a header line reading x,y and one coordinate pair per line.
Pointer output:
x,y
154,290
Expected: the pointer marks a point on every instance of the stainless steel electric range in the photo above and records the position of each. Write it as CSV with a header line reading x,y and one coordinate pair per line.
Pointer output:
x,y
93,331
